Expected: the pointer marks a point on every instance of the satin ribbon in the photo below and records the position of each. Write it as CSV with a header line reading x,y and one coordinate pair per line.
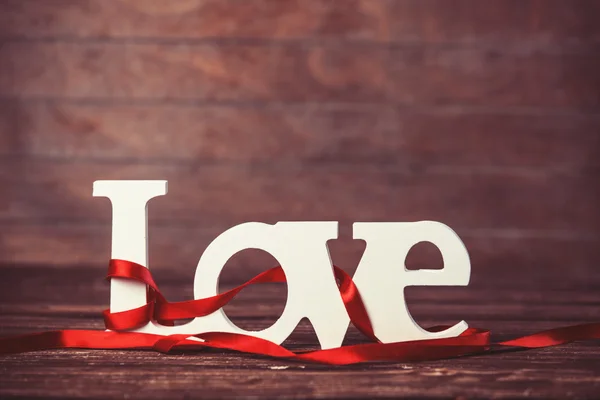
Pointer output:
x,y
473,341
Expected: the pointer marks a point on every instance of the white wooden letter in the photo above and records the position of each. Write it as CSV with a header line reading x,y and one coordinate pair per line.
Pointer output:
x,y
129,234
382,275
301,249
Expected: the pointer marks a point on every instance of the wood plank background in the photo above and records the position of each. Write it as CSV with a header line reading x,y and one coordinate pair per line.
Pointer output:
x,y
482,115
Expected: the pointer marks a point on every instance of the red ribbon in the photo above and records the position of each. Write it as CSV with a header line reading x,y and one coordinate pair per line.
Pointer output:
x,y
473,341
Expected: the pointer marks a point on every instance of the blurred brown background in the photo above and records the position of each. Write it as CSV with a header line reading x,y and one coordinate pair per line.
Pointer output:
x,y
480,114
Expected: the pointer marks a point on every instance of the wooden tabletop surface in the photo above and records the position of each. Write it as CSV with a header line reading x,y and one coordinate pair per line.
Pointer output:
x,y
37,299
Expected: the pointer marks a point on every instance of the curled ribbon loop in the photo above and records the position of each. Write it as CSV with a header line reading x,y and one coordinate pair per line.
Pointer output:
x,y
471,342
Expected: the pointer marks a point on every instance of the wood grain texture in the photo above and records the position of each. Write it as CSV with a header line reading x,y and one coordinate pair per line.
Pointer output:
x,y
430,21
77,295
225,195
452,136
299,73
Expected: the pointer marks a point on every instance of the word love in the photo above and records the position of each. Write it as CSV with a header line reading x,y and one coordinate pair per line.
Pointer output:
x,y
301,249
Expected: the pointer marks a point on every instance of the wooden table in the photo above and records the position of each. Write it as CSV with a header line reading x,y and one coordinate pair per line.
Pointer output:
x,y
38,298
